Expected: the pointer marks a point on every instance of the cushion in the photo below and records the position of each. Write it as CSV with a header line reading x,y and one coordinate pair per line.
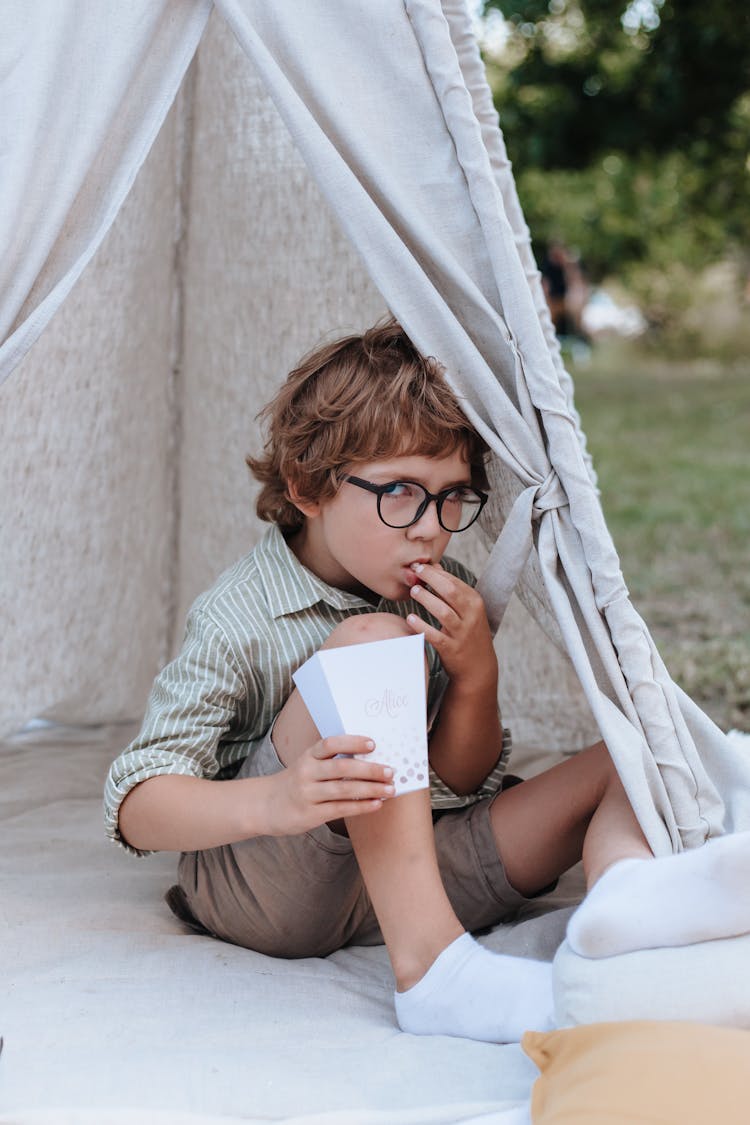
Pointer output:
x,y
646,1072
708,982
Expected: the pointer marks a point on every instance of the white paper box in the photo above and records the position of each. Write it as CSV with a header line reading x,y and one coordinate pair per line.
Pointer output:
x,y
376,690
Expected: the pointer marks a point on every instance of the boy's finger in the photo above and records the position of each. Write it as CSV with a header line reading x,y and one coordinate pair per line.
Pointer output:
x,y
343,810
439,640
435,637
355,769
451,589
442,610
341,790
342,744
458,594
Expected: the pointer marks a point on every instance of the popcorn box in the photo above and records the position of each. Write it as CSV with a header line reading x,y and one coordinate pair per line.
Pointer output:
x,y
377,690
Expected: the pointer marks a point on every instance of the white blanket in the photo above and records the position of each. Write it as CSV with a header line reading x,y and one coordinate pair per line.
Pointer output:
x,y
111,1011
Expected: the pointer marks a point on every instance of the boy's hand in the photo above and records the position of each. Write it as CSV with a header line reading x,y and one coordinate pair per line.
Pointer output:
x,y
464,641
319,787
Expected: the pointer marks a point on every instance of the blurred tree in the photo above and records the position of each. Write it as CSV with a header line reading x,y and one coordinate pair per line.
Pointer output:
x,y
629,126
607,74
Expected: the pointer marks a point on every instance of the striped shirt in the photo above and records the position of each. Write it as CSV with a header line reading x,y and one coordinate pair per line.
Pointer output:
x,y
244,638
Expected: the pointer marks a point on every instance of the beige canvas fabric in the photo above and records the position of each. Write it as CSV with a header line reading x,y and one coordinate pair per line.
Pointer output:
x,y
111,1010
705,982
419,197
124,491
424,196
85,91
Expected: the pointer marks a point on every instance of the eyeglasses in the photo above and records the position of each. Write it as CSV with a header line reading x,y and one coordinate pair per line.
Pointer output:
x,y
403,502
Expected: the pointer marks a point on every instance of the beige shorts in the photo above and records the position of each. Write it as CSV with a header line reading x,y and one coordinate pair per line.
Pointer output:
x,y
303,896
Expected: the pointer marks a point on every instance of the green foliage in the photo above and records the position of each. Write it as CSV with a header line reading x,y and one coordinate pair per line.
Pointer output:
x,y
669,442
594,75
629,128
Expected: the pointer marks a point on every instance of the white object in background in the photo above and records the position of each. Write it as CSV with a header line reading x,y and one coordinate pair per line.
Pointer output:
x,y
378,690
601,315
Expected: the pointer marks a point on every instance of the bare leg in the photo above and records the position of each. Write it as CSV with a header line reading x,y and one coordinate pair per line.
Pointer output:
x,y
446,982
613,833
396,846
578,809
395,849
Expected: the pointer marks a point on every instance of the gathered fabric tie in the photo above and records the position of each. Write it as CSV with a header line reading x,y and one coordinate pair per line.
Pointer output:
x,y
513,546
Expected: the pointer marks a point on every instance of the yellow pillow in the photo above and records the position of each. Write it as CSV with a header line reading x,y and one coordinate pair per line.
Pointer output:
x,y
649,1072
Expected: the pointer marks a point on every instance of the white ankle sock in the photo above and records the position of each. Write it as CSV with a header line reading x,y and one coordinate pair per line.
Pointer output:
x,y
475,994
693,896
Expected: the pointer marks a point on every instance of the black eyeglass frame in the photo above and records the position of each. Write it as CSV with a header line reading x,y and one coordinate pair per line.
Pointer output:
x,y
439,497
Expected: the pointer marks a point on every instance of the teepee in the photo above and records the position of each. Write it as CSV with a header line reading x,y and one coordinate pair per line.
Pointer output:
x,y
182,303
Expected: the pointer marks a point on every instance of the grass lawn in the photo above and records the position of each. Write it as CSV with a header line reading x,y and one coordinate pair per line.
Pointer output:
x,y
671,446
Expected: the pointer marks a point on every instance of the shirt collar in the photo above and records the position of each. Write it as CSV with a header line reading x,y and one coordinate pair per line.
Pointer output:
x,y
289,586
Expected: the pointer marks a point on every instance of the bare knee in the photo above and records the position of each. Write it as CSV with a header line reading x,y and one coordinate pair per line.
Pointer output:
x,y
602,767
364,627
294,730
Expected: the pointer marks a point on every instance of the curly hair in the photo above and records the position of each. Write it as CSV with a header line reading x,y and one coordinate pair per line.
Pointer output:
x,y
357,399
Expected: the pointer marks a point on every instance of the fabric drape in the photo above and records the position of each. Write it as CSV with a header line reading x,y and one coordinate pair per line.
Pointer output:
x,y
389,108
84,89
417,194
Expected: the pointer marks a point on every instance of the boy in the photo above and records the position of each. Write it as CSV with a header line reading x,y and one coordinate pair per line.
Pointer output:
x,y
289,848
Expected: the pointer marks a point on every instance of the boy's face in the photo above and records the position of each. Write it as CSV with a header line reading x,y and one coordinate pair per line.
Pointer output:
x,y
345,542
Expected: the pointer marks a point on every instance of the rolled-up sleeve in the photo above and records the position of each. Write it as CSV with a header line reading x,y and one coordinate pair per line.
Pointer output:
x,y
194,702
